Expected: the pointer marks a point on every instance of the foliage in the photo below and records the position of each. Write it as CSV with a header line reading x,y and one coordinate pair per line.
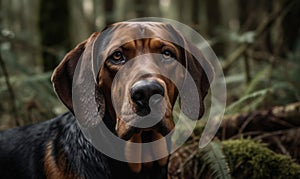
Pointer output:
x,y
34,99
257,42
251,159
212,158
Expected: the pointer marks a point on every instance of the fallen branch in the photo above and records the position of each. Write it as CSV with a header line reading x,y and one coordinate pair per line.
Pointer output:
x,y
275,119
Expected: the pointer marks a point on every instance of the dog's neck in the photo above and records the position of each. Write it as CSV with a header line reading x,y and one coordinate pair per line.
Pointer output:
x,y
123,170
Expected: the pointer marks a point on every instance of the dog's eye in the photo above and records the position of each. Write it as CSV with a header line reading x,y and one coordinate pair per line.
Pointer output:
x,y
117,57
167,54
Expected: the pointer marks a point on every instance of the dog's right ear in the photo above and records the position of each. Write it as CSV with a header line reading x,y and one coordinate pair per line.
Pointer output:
x,y
62,77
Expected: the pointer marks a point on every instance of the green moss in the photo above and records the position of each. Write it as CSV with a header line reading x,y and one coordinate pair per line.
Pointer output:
x,y
251,159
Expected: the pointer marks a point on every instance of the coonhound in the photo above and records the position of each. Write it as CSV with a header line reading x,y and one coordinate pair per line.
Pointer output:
x,y
58,149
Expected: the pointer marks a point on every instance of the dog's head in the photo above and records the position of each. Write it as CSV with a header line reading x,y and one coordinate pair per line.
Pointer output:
x,y
138,76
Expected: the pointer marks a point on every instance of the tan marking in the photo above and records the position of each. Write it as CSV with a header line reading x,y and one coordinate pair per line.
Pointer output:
x,y
162,148
135,167
155,43
52,170
129,45
147,156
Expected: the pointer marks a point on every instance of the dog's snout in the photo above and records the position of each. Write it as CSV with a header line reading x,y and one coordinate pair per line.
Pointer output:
x,y
143,90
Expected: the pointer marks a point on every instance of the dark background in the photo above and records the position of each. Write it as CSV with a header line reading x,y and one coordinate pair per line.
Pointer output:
x,y
256,41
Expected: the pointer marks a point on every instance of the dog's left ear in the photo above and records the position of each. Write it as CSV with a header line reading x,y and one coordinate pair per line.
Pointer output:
x,y
62,77
201,72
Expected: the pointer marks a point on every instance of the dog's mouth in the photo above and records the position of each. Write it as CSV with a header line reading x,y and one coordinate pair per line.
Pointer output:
x,y
147,136
127,132
153,144
147,155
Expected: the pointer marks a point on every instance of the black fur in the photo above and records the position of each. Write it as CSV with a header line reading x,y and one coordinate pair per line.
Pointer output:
x,y
22,152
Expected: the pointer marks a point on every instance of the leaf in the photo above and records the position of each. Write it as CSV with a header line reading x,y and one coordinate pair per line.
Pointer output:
x,y
246,37
212,156
257,79
247,101
236,78
252,101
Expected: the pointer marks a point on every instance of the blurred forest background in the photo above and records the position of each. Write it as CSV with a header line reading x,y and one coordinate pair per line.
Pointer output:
x,y
256,41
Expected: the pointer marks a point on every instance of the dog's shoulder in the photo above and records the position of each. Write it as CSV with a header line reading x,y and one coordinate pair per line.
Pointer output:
x,y
54,148
34,133
22,149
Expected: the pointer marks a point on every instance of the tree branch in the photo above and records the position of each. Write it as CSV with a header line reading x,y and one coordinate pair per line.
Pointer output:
x,y
10,91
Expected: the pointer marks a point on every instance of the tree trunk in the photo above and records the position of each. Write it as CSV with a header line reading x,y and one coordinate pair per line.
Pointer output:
x,y
54,29
20,22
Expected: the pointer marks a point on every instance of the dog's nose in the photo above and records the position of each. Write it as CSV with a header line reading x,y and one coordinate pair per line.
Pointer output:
x,y
142,91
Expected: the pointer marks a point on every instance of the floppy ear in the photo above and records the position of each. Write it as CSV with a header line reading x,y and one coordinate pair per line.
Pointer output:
x,y
199,69
201,72
62,77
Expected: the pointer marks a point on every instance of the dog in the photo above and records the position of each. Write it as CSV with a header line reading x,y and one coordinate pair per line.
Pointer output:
x,y
58,148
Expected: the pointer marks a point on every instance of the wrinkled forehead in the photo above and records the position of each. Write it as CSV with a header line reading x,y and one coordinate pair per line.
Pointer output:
x,y
123,32
118,34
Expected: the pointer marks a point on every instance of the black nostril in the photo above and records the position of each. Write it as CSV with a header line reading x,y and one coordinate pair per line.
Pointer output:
x,y
142,91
